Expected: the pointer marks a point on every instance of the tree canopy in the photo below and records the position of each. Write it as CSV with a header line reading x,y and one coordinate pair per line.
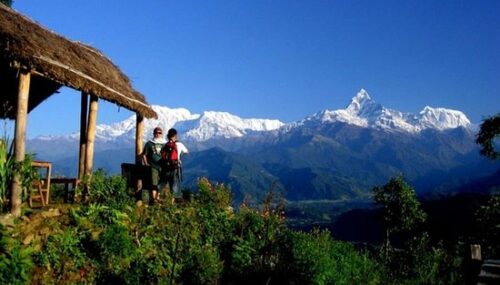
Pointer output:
x,y
7,2
488,132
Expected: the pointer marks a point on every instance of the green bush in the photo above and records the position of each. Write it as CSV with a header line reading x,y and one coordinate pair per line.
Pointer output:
x,y
111,241
315,258
63,257
202,267
15,261
116,252
109,190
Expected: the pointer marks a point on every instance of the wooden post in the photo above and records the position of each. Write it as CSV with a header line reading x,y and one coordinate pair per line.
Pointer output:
x,y
139,132
475,250
92,122
83,134
20,139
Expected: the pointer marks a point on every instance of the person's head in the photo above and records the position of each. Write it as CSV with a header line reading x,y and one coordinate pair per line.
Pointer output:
x,y
157,132
172,134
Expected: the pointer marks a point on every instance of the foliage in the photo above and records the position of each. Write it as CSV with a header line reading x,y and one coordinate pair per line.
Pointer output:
x,y
7,2
203,241
401,209
427,264
315,258
116,252
9,167
108,190
202,267
27,174
15,261
6,163
488,218
63,257
488,132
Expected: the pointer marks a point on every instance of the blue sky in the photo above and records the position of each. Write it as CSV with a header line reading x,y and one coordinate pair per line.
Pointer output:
x,y
282,59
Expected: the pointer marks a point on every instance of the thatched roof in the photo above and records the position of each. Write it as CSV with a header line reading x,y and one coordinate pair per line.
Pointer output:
x,y
55,61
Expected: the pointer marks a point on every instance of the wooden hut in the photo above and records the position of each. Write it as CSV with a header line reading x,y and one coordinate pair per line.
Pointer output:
x,y
36,62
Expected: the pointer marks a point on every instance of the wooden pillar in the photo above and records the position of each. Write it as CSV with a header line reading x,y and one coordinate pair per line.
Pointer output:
x,y
139,132
89,149
20,139
83,134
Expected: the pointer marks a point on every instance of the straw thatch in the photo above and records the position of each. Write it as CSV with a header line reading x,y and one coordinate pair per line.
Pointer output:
x,y
55,61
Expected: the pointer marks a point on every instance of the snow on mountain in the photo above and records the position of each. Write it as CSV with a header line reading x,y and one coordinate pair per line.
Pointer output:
x,y
196,127
364,112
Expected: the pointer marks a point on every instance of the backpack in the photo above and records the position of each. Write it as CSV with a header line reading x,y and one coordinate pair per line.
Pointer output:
x,y
170,156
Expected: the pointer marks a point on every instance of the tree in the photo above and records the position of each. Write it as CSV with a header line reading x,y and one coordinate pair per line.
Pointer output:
x,y
401,209
488,132
7,2
488,218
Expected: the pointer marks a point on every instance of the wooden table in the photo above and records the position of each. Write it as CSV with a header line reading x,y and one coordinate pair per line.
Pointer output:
x,y
66,181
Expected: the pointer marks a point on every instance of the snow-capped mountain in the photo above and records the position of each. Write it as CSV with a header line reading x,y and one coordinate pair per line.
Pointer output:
x,y
364,112
334,154
192,127
210,125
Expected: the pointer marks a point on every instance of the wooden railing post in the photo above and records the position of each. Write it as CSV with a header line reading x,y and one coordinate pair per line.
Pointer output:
x,y
20,139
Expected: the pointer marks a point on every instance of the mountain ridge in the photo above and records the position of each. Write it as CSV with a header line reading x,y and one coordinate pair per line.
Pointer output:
x,y
362,111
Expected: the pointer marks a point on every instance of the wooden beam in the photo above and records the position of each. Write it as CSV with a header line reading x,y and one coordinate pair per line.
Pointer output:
x,y
20,139
92,122
83,134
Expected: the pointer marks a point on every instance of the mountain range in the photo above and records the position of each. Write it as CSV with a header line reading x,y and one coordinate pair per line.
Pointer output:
x,y
333,154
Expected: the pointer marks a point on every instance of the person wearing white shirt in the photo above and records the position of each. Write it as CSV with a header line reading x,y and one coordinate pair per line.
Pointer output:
x,y
172,173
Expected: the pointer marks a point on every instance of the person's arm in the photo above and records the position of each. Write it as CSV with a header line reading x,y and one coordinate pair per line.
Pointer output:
x,y
182,148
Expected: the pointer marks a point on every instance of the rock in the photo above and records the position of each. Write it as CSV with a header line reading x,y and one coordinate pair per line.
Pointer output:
x,y
45,231
7,220
51,213
27,240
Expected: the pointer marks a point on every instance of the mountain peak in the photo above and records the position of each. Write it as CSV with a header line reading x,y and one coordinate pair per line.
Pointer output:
x,y
363,111
359,102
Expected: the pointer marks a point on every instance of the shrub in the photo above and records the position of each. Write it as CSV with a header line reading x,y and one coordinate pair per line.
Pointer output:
x,y
64,258
116,252
203,267
109,190
15,261
315,258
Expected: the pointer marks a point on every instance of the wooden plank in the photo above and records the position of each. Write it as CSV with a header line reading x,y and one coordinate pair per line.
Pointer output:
x,y
20,139
83,134
91,128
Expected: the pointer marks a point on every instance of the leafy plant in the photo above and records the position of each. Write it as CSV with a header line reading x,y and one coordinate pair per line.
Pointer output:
x,y
6,163
400,207
488,132
63,256
109,190
7,2
15,261
488,218
315,258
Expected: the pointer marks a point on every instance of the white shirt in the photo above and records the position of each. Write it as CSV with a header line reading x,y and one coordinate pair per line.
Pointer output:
x,y
181,148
